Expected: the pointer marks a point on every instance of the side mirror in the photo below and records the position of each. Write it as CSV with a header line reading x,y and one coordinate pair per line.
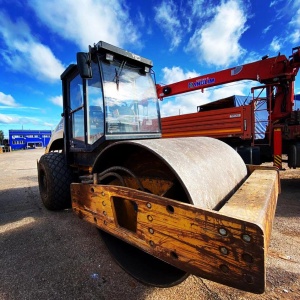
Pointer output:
x,y
84,65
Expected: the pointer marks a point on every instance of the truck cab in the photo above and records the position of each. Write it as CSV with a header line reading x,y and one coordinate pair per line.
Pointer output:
x,y
109,95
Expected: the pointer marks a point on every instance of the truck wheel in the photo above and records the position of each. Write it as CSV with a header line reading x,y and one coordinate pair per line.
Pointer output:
x,y
54,178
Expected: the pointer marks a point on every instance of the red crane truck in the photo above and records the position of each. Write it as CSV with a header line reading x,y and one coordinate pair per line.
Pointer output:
x,y
241,127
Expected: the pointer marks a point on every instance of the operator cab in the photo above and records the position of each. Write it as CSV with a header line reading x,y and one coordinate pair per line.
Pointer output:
x,y
109,95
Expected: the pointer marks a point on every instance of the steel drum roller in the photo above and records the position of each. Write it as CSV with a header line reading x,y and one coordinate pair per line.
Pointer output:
x,y
202,171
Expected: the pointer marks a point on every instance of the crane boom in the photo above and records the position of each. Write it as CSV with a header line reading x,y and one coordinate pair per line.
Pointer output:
x,y
279,72
280,127
267,70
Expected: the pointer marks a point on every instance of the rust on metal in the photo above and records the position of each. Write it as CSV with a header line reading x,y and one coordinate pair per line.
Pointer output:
x,y
252,168
228,246
256,201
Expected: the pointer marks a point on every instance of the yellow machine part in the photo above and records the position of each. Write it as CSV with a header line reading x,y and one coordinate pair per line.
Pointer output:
x,y
174,207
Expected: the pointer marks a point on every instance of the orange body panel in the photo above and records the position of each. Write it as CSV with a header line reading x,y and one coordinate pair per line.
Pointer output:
x,y
222,123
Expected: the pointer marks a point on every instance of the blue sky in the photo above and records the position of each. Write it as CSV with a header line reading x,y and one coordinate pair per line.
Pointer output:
x,y
40,38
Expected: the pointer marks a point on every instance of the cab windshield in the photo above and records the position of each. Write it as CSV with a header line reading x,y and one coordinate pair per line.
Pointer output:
x,y
130,98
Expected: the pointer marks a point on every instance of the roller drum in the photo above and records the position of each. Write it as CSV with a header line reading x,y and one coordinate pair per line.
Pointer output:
x,y
203,171
208,169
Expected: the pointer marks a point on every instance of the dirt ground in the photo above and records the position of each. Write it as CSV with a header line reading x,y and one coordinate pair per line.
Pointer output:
x,y
55,255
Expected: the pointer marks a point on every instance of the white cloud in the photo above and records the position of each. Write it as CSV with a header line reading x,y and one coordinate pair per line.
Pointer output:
x,y
6,119
48,124
252,56
289,12
26,54
295,24
176,74
48,66
141,19
265,30
87,22
274,3
199,9
217,41
7,100
275,44
241,88
57,100
16,119
188,102
166,16
176,19
183,103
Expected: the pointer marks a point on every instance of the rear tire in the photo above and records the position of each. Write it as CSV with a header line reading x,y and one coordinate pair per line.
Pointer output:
x,y
54,178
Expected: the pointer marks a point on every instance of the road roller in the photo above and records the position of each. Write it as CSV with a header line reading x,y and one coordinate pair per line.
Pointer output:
x,y
165,207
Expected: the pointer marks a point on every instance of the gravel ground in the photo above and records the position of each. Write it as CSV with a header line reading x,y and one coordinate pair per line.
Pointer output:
x,y
55,255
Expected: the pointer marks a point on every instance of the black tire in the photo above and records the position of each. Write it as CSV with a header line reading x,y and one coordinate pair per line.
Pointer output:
x,y
54,178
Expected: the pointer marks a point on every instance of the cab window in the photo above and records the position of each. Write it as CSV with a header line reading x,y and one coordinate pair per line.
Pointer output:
x,y
77,108
95,112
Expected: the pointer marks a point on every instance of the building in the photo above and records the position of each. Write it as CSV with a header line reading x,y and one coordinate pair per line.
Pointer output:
x,y
28,139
